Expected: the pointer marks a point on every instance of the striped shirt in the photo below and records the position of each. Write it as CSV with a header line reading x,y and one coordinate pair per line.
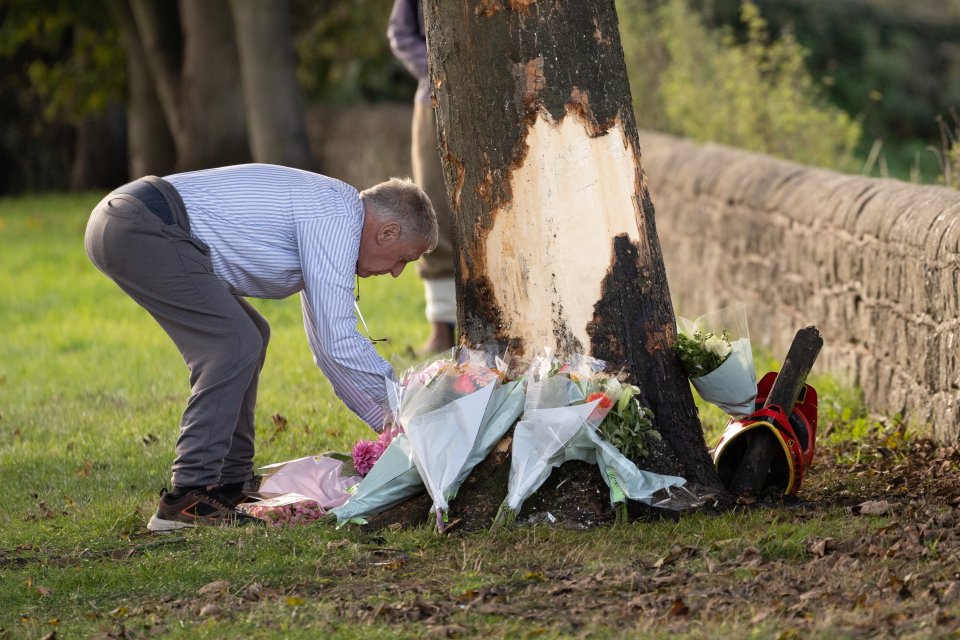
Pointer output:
x,y
274,231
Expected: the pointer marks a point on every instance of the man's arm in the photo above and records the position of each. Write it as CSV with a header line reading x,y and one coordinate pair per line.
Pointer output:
x,y
407,39
355,369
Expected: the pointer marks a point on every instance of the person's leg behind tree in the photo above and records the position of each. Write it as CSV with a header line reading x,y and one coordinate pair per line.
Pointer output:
x,y
436,268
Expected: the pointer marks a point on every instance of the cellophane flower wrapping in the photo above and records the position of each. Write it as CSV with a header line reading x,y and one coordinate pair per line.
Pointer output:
x,y
620,417
716,354
443,412
320,478
565,406
504,408
554,411
422,395
286,510
624,478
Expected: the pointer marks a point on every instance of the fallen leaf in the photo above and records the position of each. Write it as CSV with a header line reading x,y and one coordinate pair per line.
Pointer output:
x,y
216,587
467,596
446,631
678,608
873,508
339,544
822,547
122,554
759,617
676,553
253,592
295,601
951,593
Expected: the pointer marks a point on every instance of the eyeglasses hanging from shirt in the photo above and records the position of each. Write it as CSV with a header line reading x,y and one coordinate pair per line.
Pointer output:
x,y
356,305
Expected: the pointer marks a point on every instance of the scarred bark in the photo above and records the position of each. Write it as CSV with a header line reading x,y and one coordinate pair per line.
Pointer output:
x,y
553,220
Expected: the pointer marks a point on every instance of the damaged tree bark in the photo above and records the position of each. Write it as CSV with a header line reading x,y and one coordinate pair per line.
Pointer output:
x,y
552,218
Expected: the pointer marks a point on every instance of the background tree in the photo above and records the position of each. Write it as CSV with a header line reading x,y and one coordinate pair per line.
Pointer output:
x,y
150,147
200,87
553,220
274,107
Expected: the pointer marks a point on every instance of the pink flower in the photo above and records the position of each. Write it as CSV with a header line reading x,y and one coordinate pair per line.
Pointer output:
x,y
365,455
464,384
387,435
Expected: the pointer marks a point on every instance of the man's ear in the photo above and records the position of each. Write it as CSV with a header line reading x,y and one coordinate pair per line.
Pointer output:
x,y
388,233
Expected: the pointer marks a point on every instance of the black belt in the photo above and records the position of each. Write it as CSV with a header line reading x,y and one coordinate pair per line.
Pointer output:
x,y
151,197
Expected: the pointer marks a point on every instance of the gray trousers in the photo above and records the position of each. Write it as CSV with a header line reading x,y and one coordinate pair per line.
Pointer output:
x,y
222,338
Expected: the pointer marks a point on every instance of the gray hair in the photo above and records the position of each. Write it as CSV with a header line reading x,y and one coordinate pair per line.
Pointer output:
x,y
400,200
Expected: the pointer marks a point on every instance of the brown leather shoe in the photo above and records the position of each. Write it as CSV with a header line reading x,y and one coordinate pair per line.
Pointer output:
x,y
442,338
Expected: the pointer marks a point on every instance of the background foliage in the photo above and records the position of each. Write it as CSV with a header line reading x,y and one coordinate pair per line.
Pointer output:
x,y
894,65
876,80
344,55
756,95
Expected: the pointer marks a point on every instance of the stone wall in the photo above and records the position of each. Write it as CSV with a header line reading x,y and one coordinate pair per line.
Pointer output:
x,y
361,145
875,264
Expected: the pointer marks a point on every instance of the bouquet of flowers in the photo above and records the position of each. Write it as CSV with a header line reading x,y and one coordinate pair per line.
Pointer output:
x,y
553,412
453,412
366,452
302,490
565,405
322,478
447,419
619,417
715,353
502,411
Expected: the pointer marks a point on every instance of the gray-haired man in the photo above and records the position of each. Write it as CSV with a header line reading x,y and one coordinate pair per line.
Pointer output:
x,y
190,247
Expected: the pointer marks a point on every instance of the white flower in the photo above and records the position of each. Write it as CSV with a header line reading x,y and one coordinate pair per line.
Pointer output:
x,y
613,389
718,345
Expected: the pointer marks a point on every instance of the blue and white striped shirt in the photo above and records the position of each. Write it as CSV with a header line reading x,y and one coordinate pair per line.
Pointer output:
x,y
274,231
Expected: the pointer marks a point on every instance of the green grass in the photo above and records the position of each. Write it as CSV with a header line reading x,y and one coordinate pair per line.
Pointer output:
x,y
90,396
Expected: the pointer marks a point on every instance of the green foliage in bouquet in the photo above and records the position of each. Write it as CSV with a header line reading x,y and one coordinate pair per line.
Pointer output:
x,y
702,352
629,425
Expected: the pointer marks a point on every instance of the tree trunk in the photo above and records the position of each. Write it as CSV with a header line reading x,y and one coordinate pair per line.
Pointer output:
x,y
274,107
213,117
100,153
552,217
150,149
199,87
158,33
